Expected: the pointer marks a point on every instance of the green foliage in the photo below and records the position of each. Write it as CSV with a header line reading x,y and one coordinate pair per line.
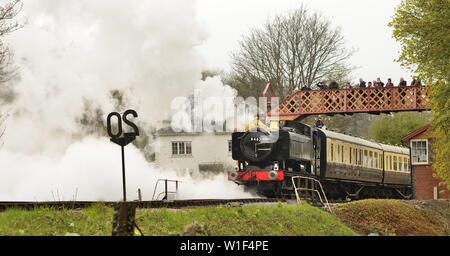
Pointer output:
x,y
440,93
423,29
392,128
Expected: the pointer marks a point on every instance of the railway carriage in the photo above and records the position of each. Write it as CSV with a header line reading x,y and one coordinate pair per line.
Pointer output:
x,y
347,166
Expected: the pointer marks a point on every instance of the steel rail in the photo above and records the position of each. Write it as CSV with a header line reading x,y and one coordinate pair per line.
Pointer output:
x,y
139,204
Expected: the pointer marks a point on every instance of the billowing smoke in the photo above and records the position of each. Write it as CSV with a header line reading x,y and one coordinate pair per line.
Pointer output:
x,y
76,51
91,170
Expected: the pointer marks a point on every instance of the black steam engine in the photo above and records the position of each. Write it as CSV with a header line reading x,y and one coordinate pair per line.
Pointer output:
x,y
347,167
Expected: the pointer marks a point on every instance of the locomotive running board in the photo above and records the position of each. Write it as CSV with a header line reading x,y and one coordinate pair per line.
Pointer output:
x,y
311,190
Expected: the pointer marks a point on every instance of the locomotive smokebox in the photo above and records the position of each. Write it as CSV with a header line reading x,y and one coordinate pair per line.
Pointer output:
x,y
257,146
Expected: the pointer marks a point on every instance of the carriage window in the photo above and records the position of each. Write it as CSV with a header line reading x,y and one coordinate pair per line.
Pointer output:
x,y
405,164
370,159
360,157
390,162
338,153
366,162
332,156
400,163
395,163
376,160
350,152
342,154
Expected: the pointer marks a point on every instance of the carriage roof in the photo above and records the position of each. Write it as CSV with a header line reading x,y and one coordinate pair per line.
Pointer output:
x,y
364,142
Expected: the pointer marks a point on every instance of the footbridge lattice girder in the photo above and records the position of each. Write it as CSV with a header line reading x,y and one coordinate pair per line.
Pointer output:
x,y
355,100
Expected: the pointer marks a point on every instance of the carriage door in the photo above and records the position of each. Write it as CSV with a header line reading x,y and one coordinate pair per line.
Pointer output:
x,y
316,156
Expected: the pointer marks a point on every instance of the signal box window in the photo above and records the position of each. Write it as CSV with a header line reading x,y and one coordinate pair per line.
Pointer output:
x,y
419,151
180,148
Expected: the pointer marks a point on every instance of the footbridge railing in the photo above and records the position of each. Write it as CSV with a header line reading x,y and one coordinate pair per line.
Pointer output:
x,y
356,100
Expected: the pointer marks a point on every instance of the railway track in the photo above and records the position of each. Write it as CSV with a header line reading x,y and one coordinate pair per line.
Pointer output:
x,y
139,204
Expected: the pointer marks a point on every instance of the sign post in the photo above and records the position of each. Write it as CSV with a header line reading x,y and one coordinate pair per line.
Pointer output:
x,y
124,213
124,140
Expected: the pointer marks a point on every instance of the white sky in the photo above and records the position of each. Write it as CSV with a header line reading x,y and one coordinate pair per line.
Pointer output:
x,y
363,23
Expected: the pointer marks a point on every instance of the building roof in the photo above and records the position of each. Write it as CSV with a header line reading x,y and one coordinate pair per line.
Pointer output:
x,y
167,131
416,132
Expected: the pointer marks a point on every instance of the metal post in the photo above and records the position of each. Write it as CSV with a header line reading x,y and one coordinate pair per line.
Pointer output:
x,y
166,197
124,219
415,97
345,101
123,175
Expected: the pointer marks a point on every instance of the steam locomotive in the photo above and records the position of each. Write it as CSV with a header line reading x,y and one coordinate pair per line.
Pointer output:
x,y
347,167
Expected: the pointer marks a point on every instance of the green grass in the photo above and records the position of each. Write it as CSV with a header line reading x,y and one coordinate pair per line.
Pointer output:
x,y
255,220
92,221
390,217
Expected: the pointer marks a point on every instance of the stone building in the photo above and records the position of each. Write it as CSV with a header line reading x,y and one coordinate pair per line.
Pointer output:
x,y
194,152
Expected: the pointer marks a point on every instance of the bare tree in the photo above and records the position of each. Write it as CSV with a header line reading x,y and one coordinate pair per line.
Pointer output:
x,y
3,118
290,50
7,71
8,25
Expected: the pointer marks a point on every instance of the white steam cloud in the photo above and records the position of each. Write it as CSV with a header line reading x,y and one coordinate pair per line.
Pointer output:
x,y
80,49
91,170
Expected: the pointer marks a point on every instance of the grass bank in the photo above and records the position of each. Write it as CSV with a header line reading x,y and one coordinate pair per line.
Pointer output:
x,y
255,220
395,217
